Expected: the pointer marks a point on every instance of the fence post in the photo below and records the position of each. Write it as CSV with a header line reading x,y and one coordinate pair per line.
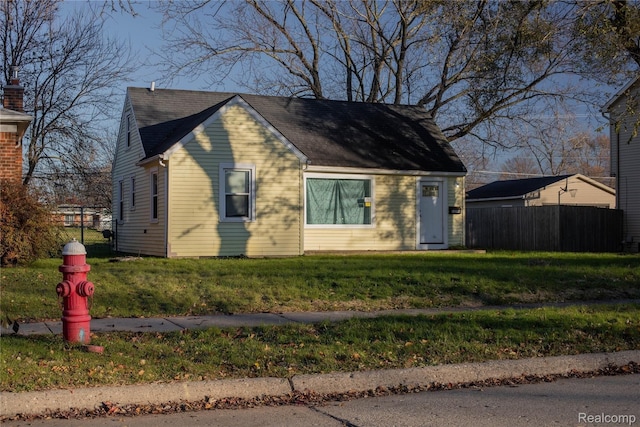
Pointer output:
x,y
82,224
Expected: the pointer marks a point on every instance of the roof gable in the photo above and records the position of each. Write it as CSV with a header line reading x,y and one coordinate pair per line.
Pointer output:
x,y
327,133
622,92
220,109
163,119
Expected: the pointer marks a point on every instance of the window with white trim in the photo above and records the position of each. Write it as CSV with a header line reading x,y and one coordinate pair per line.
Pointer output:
x,y
338,201
133,193
128,124
121,200
154,195
237,192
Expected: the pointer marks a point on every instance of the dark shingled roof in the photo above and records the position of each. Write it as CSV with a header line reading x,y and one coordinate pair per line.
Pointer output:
x,y
328,133
512,188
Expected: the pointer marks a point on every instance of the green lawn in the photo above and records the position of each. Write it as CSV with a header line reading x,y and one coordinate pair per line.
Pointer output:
x,y
155,287
94,241
45,362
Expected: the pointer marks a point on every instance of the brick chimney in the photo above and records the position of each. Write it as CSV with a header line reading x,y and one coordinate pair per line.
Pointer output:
x,y
13,93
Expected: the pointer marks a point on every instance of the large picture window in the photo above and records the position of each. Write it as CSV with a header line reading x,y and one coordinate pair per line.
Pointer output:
x,y
237,195
338,201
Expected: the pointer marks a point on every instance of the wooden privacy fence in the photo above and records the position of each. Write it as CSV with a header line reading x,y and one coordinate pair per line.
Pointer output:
x,y
545,228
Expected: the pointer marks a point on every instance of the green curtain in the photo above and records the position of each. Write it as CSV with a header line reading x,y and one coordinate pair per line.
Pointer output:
x,y
338,201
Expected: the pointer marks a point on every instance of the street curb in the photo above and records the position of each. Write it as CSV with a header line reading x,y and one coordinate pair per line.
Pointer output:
x,y
39,402
89,398
462,373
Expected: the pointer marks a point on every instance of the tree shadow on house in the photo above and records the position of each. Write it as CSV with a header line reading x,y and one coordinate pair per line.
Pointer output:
x,y
252,193
206,213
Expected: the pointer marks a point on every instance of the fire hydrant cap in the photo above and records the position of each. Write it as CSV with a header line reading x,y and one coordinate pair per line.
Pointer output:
x,y
74,248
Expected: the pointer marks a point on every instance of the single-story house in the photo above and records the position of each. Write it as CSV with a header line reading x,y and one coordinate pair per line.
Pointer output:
x,y
76,216
623,110
575,190
200,174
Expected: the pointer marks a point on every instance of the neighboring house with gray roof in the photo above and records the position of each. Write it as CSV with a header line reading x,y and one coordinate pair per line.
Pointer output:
x,y
576,190
623,111
201,174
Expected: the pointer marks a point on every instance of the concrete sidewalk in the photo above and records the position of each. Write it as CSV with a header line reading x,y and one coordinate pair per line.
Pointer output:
x,y
92,397
177,323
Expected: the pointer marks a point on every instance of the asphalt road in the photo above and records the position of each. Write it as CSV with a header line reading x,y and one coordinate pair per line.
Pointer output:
x,y
604,400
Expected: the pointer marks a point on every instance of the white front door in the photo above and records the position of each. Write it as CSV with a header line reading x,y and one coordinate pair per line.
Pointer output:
x,y
431,213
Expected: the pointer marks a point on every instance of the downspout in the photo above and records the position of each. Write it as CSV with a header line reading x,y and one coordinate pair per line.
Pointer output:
x,y
303,208
618,170
166,205
625,237
618,183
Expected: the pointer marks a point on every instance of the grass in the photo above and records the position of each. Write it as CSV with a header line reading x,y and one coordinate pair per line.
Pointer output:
x,y
159,287
46,362
94,241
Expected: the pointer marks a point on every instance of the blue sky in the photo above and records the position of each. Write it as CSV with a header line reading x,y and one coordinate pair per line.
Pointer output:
x,y
144,35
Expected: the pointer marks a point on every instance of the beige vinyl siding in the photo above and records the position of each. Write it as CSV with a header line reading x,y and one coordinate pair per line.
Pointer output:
x,y
586,194
455,222
195,229
136,233
394,223
628,169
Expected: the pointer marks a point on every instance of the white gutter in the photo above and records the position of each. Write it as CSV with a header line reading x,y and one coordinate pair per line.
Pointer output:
x,y
378,171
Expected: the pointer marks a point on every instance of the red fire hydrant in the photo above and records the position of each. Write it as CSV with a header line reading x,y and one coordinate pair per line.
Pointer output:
x,y
75,291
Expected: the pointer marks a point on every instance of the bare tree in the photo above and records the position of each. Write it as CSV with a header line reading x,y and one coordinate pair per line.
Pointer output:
x,y
559,149
520,166
70,72
591,156
477,65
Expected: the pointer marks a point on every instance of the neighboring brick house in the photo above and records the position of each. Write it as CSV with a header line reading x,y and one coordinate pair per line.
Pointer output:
x,y
13,124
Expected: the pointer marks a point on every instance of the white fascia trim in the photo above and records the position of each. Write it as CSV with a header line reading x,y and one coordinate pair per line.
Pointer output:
x,y
374,171
10,116
157,158
236,100
595,183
